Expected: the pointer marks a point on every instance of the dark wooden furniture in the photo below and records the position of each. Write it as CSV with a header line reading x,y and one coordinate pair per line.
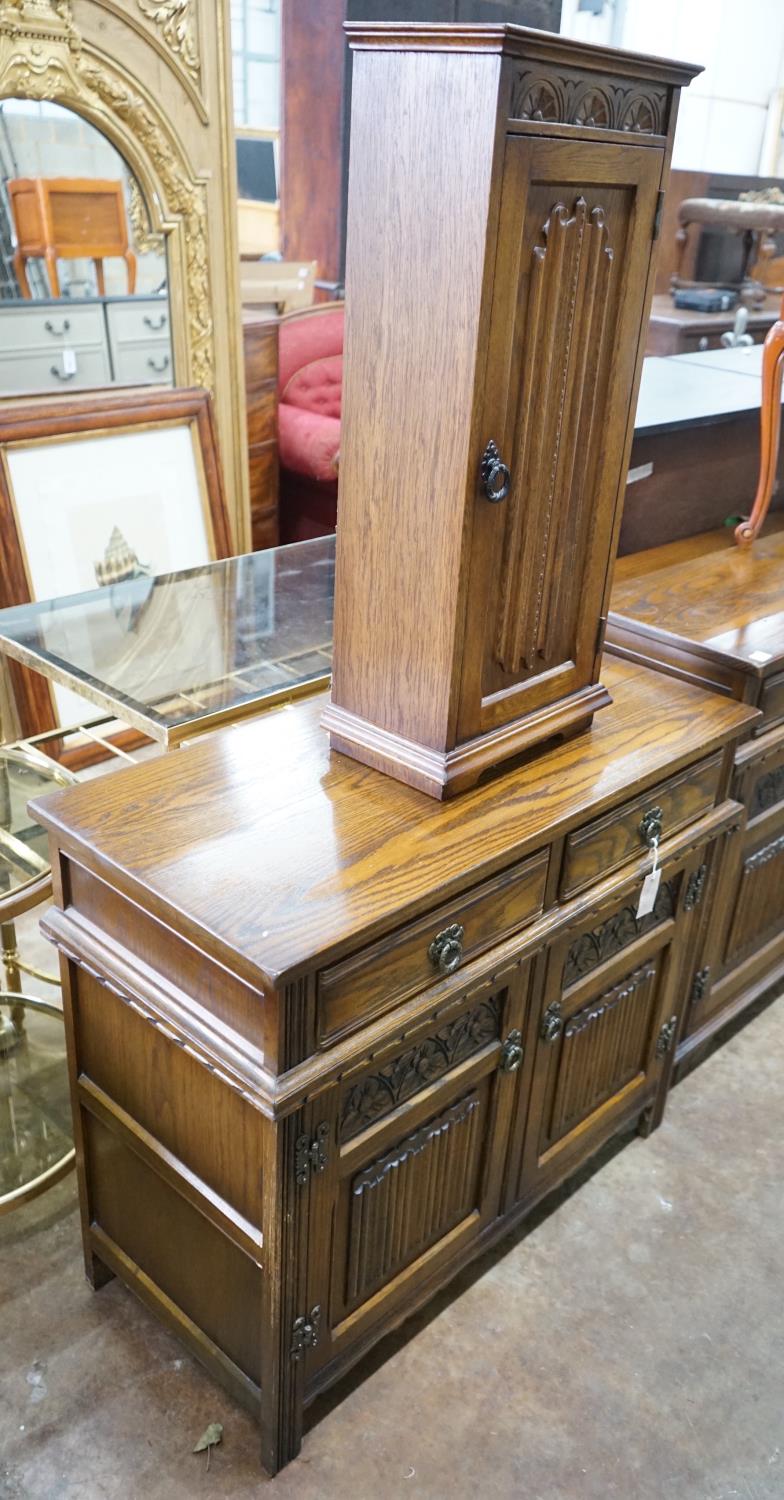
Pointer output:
x,y
704,611
69,218
329,1037
754,222
260,348
673,330
488,415
316,94
696,446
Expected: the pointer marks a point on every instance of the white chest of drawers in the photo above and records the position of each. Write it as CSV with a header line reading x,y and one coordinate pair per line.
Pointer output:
x,y
52,346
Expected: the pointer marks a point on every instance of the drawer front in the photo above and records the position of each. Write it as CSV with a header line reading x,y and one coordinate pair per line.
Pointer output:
x,y
377,978
39,373
143,364
262,408
50,328
603,845
135,322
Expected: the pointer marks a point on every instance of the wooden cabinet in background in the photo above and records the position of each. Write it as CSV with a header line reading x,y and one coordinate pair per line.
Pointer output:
x,y
488,414
260,348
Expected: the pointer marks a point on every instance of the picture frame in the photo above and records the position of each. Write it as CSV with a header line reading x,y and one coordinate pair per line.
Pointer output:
x,y
95,485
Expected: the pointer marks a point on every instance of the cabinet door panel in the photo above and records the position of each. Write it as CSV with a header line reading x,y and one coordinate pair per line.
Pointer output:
x,y
759,907
598,1035
576,222
422,1146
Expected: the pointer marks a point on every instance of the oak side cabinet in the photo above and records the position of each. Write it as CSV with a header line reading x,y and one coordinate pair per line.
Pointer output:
x,y
504,191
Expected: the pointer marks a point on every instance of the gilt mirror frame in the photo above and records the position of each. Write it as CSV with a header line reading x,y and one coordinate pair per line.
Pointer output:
x,y
174,51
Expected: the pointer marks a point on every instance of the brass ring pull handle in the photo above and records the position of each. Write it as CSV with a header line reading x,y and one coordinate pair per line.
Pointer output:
x,y
58,332
446,949
495,476
552,1022
155,325
651,827
60,375
512,1053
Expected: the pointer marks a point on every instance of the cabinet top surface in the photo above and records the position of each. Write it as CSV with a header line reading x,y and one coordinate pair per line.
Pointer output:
x,y
515,41
272,853
706,589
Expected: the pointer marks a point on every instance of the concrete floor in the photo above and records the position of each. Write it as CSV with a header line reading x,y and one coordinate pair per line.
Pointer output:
x,y
627,1345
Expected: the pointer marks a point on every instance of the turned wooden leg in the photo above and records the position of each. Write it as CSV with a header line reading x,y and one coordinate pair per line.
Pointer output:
x,y
770,432
51,270
20,271
130,261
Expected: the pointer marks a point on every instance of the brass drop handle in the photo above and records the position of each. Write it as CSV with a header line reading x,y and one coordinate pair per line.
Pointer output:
x,y
511,1053
446,949
153,325
552,1022
159,369
495,476
651,827
58,332
61,374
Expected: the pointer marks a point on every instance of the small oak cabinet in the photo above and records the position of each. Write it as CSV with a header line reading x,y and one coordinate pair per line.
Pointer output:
x,y
503,203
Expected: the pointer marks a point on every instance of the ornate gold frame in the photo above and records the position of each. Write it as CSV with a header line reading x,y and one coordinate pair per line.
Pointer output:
x,y
46,54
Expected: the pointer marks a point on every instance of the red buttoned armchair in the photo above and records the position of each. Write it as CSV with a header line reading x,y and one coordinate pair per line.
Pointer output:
x,y
310,376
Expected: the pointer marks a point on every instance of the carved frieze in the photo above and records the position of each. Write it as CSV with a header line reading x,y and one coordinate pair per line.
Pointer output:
x,y
569,98
176,21
593,948
768,791
378,1093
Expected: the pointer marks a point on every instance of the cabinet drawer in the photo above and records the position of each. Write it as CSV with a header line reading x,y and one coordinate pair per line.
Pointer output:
x,y
142,364
37,373
131,322
408,960
601,846
772,703
51,328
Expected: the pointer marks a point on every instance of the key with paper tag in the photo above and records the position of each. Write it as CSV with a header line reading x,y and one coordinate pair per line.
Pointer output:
x,y
69,361
650,885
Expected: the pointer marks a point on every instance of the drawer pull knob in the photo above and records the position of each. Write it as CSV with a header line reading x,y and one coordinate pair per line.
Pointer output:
x,y
552,1022
159,369
495,475
446,949
512,1052
62,374
651,827
155,325
59,333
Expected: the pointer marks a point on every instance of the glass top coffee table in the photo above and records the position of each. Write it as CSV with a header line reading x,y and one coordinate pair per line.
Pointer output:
x,y
176,655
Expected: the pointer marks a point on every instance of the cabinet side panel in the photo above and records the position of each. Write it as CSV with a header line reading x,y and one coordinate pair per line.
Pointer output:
x,y
422,149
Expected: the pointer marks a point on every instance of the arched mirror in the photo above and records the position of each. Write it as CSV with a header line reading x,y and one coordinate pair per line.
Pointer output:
x,y
83,280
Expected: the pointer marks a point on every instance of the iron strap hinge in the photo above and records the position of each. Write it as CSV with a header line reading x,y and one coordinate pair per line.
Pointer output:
x,y
657,218
310,1155
305,1332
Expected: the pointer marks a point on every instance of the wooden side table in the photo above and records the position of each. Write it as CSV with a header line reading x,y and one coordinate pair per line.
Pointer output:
x,y
69,218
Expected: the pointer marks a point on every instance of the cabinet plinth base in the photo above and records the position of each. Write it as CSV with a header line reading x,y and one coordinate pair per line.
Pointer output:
x,y
444,773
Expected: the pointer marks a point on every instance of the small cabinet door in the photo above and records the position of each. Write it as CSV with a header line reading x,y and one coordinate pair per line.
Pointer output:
x,y
744,950
570,288
602,1033
422,1136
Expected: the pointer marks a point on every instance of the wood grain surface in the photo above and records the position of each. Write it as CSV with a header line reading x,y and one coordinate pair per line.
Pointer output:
x,y
273,851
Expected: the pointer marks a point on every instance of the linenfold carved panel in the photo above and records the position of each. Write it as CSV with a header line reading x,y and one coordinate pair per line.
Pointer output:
x,y
759,908
380,1092
604,1047
412,1196
569,98
565,332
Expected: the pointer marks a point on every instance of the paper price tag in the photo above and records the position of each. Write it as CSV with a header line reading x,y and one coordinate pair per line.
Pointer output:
x,y
650,886
69,362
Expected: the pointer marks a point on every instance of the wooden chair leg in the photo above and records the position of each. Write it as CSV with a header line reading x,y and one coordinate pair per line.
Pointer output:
x,y
770,432
51,269
130,261
20,271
